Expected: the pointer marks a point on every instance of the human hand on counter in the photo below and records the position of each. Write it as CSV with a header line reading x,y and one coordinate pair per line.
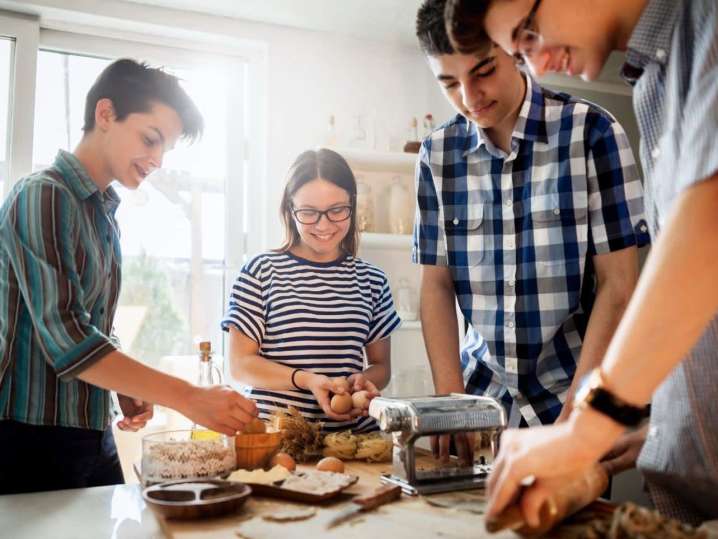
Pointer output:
x,y
566,449
218,408
136,413
624,453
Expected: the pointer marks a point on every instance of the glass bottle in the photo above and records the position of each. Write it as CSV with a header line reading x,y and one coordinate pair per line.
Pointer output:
x,y
365,206
331,140
209,375
400,207
359,134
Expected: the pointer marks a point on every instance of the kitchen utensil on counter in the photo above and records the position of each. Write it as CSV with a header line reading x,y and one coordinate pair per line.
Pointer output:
x,y
570,496
178,455
382,495
196,499
411,419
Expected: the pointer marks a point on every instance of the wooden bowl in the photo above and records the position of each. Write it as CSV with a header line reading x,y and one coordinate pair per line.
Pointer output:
x,y
196,499
256,450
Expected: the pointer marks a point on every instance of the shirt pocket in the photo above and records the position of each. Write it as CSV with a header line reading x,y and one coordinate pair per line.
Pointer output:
x,y
559,229
466,235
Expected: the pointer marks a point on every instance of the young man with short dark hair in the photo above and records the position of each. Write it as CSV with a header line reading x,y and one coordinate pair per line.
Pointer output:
x,y
666,348
529,214
60,265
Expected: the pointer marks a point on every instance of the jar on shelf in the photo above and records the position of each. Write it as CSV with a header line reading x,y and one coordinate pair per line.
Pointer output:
x,y
405,300
401,204
365,206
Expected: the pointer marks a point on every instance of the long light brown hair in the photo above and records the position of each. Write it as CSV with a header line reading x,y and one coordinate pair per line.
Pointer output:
x,y
310,165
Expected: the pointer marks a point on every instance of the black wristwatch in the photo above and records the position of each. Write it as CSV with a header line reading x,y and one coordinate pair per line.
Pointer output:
x,y
592,393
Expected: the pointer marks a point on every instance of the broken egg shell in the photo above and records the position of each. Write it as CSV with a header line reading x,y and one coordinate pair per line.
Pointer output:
x,y
341,404
330,464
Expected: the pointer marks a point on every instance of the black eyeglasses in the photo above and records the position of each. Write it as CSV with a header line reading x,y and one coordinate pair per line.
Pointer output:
x,y
528,39
336,214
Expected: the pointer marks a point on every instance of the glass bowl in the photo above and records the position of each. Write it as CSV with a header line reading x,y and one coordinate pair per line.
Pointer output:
x,y
175,454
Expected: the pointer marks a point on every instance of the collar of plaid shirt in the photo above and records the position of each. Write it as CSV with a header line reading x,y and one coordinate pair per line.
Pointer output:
x,y
530,124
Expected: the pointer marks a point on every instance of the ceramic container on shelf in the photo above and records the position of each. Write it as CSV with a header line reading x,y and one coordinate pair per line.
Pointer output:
x,y
365,206
401,205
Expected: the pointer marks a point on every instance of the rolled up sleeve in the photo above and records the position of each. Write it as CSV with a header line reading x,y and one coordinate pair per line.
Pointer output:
x,y
429,243
615,192
41,238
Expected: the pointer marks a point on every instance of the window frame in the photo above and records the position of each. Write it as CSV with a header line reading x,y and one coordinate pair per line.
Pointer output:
x,y
24,30
246,157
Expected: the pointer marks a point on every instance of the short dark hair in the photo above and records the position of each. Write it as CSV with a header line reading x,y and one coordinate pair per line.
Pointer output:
x,y
465,25
327,165
431,29
135,87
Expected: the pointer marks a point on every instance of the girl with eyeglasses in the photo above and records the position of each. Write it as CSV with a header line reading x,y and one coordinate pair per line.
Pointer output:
x,y
302,317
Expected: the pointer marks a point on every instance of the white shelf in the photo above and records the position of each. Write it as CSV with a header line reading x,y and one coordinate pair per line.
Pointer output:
x,y
372,160
375,240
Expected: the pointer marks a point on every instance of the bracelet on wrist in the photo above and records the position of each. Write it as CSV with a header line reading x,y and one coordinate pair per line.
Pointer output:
x,y
294,383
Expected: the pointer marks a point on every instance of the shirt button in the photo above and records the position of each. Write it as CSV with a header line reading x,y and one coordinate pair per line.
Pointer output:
x,y
509,202
643,228
455,221
512,282
510,244
510,324
556,211
661,54
656,153
102,310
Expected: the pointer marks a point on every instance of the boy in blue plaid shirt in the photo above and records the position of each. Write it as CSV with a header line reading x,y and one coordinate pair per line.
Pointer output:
x,y
529,214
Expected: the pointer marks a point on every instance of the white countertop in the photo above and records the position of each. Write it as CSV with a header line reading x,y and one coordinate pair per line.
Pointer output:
x,y
115,512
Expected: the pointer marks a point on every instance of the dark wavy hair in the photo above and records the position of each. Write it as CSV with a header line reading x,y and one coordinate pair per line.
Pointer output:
x,y
464,21
135,87
310,165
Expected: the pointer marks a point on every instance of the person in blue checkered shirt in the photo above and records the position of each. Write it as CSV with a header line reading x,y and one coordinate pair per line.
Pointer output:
x,y
666,348
529,214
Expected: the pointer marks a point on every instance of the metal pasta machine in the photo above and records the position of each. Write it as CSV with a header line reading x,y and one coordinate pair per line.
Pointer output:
x,y
412,421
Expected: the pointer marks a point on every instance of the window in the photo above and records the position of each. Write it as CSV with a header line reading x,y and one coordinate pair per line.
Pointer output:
x,y
6,46
19,36
174,231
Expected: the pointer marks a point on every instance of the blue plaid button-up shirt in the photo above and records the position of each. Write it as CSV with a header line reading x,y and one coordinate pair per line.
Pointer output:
x,y
518,232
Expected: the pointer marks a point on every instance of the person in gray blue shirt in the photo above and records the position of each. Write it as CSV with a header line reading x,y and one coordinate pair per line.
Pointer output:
x,y
666,348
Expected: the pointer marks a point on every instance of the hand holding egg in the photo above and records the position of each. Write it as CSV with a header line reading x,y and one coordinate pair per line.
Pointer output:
x,y
363,391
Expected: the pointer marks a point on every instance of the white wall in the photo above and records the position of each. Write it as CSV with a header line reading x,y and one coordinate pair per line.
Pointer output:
x,y
306,76
312,76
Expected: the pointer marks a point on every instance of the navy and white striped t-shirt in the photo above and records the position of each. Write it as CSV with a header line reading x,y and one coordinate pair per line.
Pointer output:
x,y
311,315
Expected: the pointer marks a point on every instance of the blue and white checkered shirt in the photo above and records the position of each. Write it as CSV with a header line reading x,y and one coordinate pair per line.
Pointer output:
x,y
672,60
518,232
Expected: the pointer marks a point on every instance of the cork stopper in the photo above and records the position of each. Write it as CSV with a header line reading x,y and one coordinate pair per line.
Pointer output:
x,y
205,350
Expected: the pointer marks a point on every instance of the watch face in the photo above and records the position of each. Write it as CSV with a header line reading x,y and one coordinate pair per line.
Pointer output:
x,y
584,389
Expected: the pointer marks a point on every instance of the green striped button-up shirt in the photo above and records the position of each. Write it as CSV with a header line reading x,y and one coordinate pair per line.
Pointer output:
x,y
59,282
